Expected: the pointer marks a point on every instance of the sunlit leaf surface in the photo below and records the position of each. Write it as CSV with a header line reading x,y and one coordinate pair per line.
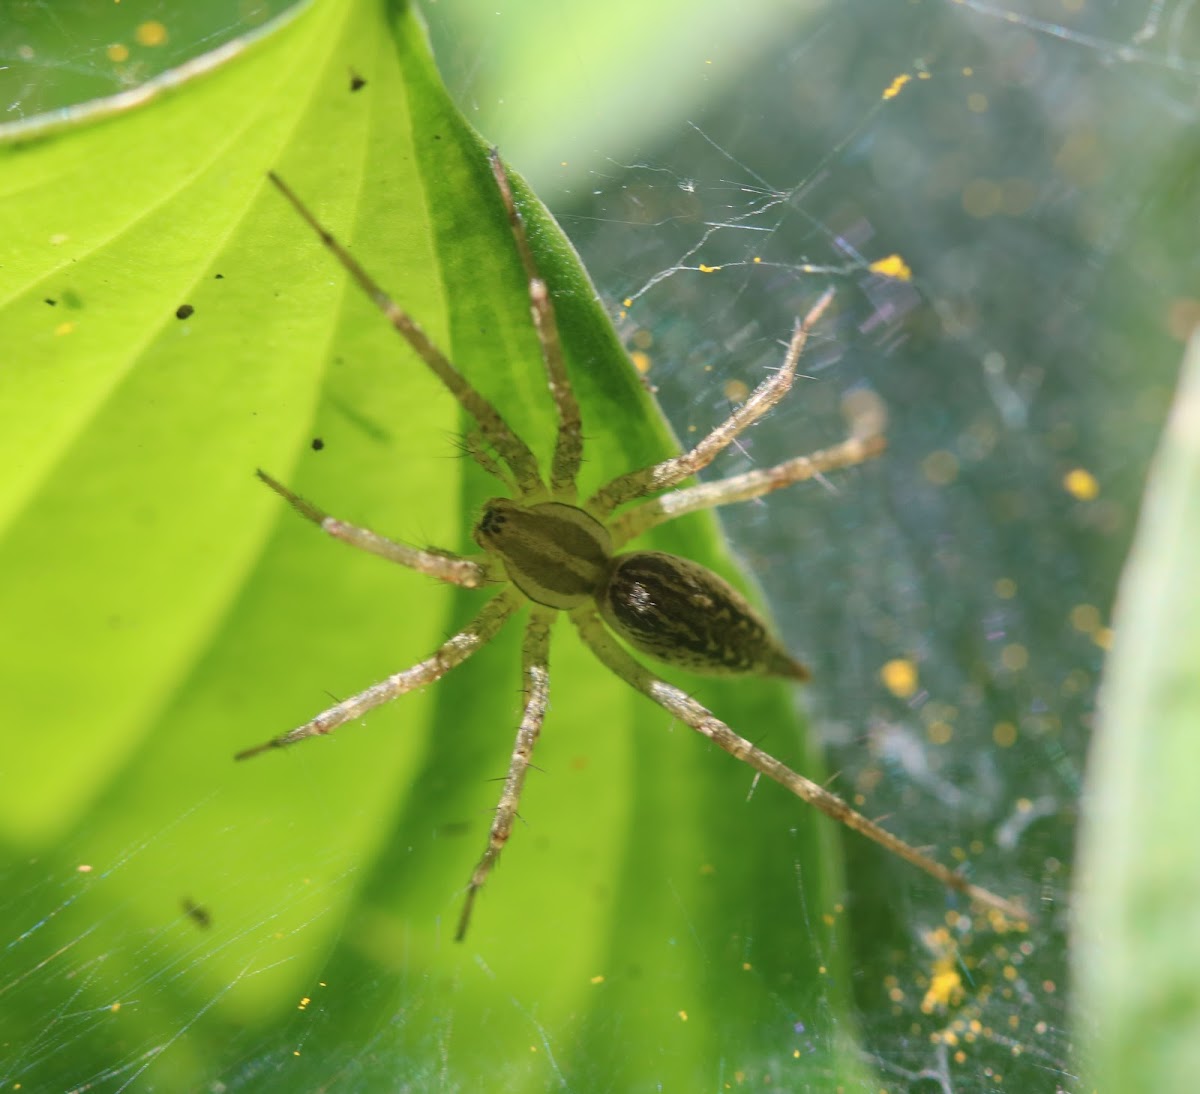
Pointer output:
x,y
182,921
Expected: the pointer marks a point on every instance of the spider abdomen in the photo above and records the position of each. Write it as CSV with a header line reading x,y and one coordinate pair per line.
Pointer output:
x,y
682,613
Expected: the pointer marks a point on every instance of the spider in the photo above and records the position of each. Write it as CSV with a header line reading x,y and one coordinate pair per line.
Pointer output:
x,y
545,548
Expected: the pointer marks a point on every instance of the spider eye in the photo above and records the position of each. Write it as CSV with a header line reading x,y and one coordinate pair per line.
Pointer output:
x,y
491,522
681,613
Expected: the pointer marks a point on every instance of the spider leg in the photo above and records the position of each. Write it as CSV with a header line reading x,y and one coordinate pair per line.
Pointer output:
x,y
865,443
447,656
514,451
473,446
568,446
444,566
536,655
660,476
691,713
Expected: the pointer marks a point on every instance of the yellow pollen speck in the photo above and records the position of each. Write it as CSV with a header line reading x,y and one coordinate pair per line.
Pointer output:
x,y
533,1048
1081,484
736,391
940,467
117,53
892,266
84,868
683,1015
1085,618
939,733
151,33
746,966
968,71
304,1002
596,980
64,328
295,1052
627,302
977,102
757,259
708,269
1103,638
1014,657
1004,734
1010,973
896,86
641,361
1005,588
707,870
821,969
945,988
899,676
828,920
115,1007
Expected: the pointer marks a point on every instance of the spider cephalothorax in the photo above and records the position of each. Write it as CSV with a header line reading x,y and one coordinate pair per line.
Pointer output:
x,y
544,549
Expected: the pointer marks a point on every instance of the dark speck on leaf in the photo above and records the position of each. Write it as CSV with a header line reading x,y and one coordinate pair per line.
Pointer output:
x,y
184,311
356,82
52,303
197,914
317,444
219,277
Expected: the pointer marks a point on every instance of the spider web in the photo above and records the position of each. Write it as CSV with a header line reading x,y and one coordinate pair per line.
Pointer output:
x,y
951,599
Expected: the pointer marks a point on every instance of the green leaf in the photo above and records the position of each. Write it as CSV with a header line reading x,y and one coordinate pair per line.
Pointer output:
x,y
1136,957
184,920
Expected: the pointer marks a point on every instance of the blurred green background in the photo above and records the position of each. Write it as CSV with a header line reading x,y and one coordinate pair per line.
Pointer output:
x,y
1037,173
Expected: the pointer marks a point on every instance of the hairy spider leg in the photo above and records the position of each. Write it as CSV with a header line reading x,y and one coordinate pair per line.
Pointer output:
x,y
536,671
474,445
449,655
568,445
708,495
659,476
444,565
511,449
699,718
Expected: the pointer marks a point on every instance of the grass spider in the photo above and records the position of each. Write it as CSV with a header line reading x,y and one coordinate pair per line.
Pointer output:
x,y
545,548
